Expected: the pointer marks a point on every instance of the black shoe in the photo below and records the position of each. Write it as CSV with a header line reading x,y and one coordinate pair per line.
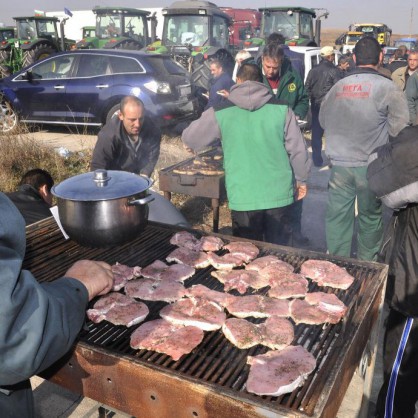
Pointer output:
x,y
299,239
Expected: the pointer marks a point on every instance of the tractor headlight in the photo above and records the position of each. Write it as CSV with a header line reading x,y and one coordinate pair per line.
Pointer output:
x,y
158,87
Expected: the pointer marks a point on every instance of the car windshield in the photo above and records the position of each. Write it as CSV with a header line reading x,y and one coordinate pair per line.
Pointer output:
x,y
164,65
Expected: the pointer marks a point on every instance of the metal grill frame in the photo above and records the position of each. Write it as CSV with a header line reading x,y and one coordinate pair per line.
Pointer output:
x,y
143,383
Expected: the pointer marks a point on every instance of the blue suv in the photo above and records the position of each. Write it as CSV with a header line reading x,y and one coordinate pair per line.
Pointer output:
x,y
85,87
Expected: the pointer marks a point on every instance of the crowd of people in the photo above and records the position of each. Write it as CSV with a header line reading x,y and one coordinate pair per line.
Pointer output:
x,y
362,112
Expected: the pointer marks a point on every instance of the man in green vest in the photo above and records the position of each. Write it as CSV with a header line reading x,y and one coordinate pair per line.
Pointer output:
x,y
265,156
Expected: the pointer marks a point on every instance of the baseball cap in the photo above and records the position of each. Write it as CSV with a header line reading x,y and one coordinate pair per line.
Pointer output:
x,y
326,51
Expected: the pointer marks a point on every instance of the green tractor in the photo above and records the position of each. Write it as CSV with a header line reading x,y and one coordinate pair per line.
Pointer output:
x,y
88,32
7,34
120,28
193,32
296,24
37,38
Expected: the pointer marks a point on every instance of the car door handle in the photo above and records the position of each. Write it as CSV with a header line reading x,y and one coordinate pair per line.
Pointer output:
x,y
102,86
59,87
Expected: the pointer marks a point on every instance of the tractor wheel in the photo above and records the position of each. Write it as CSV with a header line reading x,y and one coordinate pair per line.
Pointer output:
x,y
201,75
8,118
5,71
132,45
39,52
4,56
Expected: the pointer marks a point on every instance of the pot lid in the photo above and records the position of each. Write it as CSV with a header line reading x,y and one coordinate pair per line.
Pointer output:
x,y
101,185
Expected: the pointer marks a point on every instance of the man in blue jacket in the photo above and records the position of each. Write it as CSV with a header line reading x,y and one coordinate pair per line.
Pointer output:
x,y
38,321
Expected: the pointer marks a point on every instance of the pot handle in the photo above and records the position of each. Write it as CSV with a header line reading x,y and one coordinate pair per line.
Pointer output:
x,y
143,201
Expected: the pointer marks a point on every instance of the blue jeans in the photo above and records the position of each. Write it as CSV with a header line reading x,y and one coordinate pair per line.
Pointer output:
x,y
317,133
346,186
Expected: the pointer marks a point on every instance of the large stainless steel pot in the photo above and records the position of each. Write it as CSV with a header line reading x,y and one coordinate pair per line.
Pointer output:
x,y
103,208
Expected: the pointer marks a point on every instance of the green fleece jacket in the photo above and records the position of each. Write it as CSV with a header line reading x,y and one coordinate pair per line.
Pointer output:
x,y
264,150
291,89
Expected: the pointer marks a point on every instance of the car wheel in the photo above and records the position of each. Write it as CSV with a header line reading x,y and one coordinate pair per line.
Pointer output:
x,y
8,118
113,111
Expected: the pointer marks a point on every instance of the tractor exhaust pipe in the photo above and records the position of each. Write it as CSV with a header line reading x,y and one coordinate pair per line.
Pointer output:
x,y
62,33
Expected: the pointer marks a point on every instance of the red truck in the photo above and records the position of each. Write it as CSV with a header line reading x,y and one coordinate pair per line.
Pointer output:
x,y
245,25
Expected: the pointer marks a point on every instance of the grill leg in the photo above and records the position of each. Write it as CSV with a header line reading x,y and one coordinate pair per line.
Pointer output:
x,y
167,195
215,208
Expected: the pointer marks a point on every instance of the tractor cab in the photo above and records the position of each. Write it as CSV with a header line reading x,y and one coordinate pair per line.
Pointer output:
x,y
119,28
296,24
191,31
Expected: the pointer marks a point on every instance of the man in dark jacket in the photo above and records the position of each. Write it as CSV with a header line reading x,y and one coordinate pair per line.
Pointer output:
x,y
265,157
34,198
220,83
318,83
38,321
129,142
393,176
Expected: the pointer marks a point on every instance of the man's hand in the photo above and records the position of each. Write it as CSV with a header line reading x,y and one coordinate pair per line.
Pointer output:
x,y
97,276
301,190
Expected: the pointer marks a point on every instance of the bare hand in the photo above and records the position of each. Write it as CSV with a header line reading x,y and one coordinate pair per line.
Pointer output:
x,y
224,93
301,191
97,276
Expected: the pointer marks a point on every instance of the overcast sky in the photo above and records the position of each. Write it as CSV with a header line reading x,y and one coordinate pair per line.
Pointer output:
x,y
401,16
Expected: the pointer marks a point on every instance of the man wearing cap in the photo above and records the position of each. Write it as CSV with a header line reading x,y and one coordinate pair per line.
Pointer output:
x,y
358,114
319,81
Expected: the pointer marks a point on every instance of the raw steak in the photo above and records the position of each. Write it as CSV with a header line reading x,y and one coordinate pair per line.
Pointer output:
x,y
177,273
225,262
267,261
327,302
154,270
279,372
276,333
274,272
105,303
167,338
290,285
246,250
326,273
209,243
196,259
155,290
127,315
186,240
257,306
304,313
200,291
240,280
201,313
122,273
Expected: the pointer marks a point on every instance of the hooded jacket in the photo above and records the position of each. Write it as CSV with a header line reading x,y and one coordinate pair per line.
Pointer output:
x,y
264,150
358,114
38,321
291,89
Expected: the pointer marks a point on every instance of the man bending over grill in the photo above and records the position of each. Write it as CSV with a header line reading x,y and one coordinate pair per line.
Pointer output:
x,y
38,321
129,141
265,157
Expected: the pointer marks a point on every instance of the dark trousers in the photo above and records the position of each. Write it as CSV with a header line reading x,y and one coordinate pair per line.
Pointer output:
x,y
269,225
317,133
405,381
295,215
18,403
